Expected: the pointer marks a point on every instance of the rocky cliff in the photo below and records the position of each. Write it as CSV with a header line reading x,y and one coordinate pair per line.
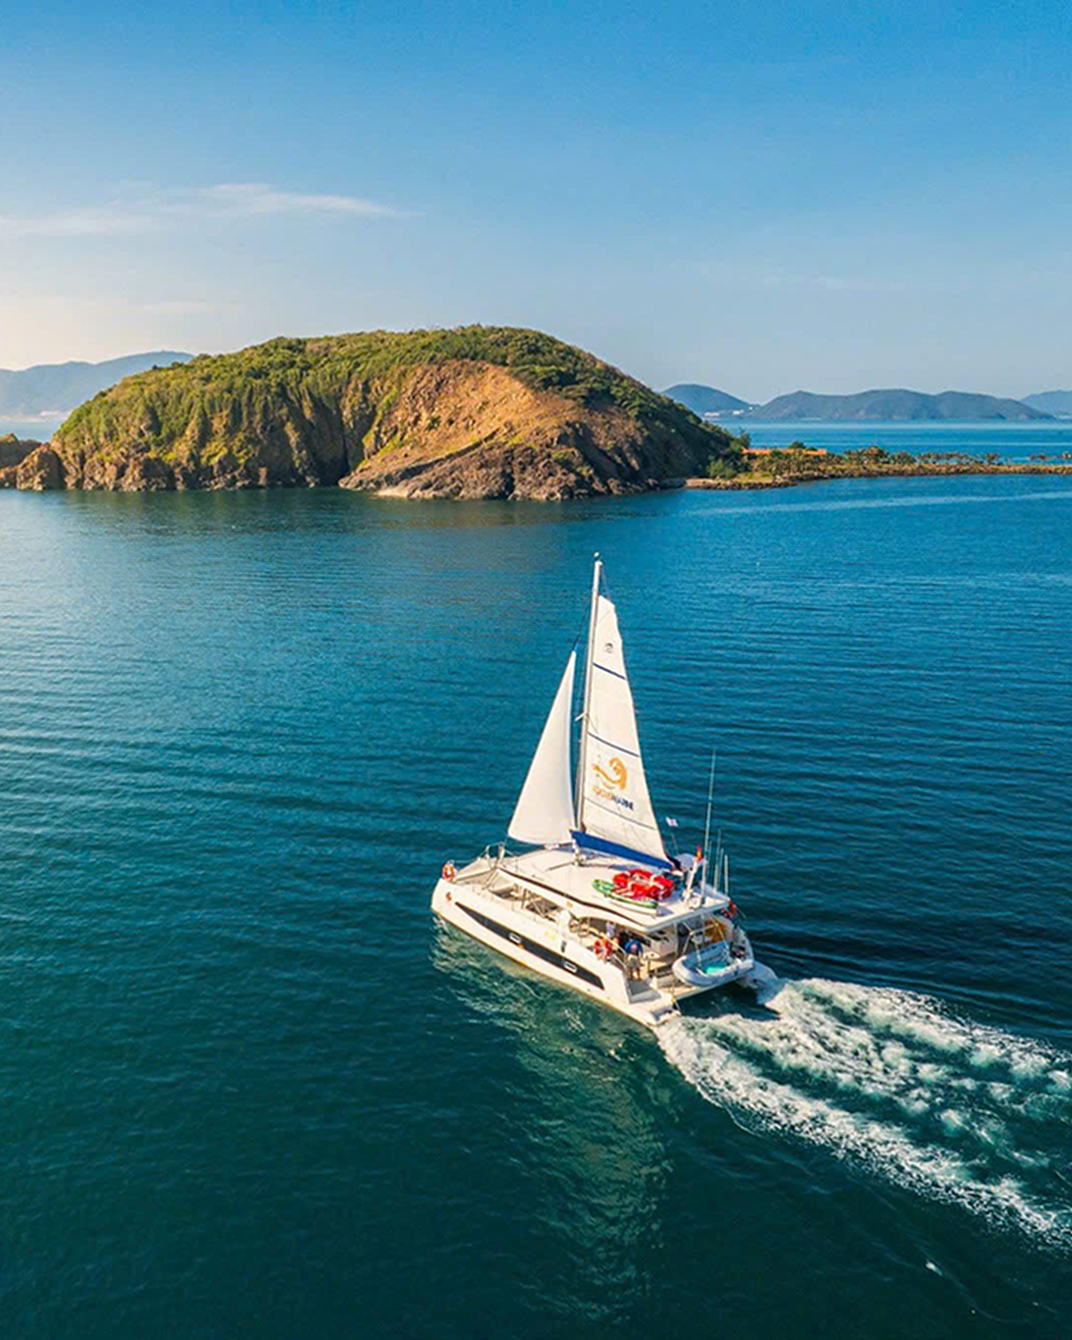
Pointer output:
x,y
477,412
13,451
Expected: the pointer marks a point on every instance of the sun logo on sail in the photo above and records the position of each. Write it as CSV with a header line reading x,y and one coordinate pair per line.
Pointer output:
x,y
615,774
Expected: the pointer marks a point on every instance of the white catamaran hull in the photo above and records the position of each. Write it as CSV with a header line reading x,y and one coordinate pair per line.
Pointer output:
x,y
539,944
514,935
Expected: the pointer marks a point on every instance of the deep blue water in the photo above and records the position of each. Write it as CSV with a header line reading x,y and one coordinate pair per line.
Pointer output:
x,y
249,1089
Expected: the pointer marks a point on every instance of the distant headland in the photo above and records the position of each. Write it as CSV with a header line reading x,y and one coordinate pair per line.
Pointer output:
x,y
883,406
51,390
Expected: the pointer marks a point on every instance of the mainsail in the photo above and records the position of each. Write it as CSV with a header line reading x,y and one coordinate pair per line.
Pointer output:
x,y
544,812
613,803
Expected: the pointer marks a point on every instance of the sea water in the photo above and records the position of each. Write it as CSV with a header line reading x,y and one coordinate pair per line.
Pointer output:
x,y
249,1088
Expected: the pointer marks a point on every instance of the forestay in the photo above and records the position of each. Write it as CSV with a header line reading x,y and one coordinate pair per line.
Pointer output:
x,y
544,812
615,804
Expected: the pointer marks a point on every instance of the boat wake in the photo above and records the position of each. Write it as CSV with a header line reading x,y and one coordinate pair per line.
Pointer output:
x,y
894,1083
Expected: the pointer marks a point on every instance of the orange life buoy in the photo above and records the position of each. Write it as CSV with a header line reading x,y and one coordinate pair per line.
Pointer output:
x,y
603,949
448,870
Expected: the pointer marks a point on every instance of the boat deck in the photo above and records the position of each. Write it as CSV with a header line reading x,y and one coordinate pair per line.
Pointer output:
x,y
564,880
645,985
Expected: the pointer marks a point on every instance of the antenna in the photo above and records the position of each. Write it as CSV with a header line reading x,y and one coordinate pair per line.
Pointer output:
x,y
707,821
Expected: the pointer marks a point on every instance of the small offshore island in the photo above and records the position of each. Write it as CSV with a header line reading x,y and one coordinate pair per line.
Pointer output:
x,y
478,412
781,467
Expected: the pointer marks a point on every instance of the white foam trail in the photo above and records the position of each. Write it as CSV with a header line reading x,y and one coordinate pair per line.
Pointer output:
x,y
889,1081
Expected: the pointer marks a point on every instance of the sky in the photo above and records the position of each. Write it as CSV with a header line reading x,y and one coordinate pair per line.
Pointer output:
x,y
760,197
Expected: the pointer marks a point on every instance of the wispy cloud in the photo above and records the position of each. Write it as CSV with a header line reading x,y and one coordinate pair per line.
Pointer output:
x,y
161,209
246,199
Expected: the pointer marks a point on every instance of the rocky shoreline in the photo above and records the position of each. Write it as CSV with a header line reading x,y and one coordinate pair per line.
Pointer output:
x,y
36,467
489,471
755,481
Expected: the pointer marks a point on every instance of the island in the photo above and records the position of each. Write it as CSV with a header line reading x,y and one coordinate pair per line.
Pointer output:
x,y
473,412
780,467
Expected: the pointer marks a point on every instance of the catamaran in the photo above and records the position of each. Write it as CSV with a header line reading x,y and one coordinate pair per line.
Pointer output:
x,y
595,902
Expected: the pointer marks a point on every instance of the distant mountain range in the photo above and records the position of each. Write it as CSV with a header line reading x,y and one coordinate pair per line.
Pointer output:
x,y
1058,403
871,406
894,405
54,389
705,399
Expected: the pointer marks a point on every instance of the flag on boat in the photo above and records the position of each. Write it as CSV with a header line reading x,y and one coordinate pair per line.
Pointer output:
x,y
671,823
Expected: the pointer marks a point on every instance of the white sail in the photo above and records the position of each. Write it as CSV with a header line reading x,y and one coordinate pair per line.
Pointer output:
x,y
614,800
544,812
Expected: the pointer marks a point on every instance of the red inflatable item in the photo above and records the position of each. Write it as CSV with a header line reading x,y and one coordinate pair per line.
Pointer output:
x,y
643,884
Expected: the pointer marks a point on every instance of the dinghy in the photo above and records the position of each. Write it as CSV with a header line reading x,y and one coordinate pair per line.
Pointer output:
x,y
592,899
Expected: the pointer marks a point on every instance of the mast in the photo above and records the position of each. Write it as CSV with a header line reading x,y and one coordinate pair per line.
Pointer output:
x,y
589,656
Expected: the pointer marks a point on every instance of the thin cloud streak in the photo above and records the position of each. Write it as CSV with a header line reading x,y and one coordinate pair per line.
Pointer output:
x,y
163,209
243,199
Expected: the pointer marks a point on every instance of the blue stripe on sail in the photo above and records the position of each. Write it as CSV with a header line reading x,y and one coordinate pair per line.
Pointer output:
x,y
618,748
608,671
616,849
